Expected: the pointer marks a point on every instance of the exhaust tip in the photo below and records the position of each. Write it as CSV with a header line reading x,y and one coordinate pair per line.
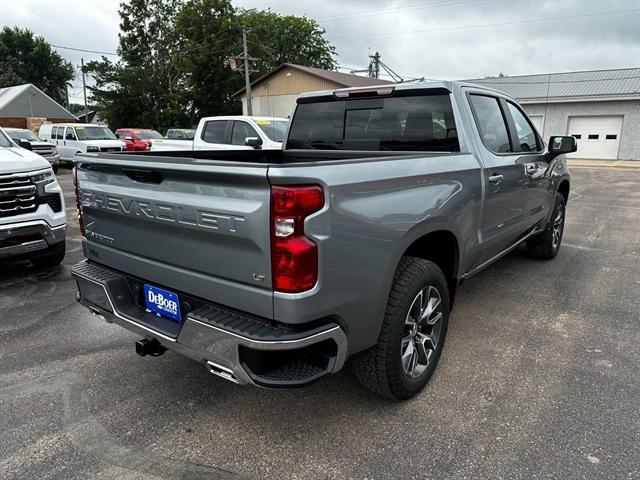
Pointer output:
x,y
221,371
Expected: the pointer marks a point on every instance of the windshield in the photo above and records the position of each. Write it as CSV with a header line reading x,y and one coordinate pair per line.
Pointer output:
x,y
274,129
407,123
4,141
23,135
147,134
94,133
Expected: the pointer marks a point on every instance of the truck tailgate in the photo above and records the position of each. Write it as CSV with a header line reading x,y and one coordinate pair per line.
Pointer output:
x,y
189,225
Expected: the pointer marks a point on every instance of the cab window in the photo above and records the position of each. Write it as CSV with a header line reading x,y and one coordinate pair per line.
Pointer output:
x,y
527,138
491,123
214,131
242,130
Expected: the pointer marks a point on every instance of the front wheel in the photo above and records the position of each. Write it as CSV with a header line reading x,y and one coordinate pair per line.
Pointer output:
x,y
412,335
546,244
52,257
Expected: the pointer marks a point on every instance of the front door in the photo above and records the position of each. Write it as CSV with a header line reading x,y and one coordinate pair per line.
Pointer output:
x,y
504,215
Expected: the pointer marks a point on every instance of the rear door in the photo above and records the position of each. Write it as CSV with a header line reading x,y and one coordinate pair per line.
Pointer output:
x,y
215,136
506,181
183,225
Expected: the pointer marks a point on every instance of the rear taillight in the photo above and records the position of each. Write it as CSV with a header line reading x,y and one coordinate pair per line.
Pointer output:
x,y
78,207
294,256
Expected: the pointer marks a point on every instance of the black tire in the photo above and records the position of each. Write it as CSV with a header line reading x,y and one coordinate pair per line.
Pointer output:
x,y
545,245
55,169
380,368
53,256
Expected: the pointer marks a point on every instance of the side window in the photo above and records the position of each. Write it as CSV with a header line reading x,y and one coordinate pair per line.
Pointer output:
x,y
54,133
178,135
170,134
71,134
242,130
60,135
527,138
491,124
214,131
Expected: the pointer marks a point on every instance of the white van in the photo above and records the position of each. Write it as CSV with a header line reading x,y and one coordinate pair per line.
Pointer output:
x,y
73,138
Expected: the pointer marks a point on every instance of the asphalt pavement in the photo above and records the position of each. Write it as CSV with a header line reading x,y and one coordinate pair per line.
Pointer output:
x,y
540,378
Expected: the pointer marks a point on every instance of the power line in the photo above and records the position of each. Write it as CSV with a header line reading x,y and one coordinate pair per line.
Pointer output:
x,y
464,27
349,16
83,50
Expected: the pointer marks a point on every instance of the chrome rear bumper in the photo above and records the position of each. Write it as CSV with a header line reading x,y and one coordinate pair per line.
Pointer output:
x,y
238,347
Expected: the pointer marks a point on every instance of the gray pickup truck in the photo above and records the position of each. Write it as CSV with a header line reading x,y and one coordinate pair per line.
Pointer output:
x,y
272,268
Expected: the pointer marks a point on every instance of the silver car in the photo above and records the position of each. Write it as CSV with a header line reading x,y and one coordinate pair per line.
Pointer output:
x,y
27,139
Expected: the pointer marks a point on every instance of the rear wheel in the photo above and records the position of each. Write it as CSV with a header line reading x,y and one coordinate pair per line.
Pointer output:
x,y
546,244
412,334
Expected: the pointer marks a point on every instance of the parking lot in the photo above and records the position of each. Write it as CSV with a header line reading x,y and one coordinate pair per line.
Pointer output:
x,y
540,378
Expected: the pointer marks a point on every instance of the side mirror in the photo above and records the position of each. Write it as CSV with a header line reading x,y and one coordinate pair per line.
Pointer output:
x,y
25,144
255,142
561,145
69,136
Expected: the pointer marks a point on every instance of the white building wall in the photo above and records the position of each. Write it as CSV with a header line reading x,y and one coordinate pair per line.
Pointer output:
x,y
271,106
556,120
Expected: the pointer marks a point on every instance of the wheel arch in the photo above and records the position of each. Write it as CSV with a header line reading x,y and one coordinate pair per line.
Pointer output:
x,y
441,247
563,189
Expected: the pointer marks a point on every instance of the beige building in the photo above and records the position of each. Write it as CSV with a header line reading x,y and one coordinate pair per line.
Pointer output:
x,y
275,93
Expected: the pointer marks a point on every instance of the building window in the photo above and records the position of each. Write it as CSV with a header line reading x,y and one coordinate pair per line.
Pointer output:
x,y
577,136
594,136
611,137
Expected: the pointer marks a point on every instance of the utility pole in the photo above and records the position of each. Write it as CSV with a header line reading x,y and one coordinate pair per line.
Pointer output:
x,y
374,66
247,81
84,92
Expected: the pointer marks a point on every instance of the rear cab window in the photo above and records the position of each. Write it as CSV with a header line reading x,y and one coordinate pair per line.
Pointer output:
x,y
407,122
491,123
215,131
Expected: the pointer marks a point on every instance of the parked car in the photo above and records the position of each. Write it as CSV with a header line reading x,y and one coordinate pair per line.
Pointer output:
x,y
231,133
32,216
74,138
45,149
180,133
273,267
137,139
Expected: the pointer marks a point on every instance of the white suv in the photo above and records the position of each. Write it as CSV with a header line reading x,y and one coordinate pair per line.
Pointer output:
x,y
74,138
32,217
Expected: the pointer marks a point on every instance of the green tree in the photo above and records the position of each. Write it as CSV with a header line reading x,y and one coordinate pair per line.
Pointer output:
x,y
145,88
174,64
25,58
277,39
212,32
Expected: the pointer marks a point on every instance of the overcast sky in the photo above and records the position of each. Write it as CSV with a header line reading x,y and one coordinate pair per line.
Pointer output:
x,y
447,39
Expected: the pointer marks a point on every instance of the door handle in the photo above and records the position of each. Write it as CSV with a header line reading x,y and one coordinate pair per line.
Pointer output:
x,y
496,178
531,168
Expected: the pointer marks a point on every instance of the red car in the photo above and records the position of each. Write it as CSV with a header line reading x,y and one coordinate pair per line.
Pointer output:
x,y
137,139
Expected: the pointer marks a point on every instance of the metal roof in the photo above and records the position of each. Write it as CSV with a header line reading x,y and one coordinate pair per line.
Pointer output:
x,y
342,79
22,101
569,86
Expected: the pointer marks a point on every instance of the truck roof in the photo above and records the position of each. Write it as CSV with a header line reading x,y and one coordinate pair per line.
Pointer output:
x,y
449,85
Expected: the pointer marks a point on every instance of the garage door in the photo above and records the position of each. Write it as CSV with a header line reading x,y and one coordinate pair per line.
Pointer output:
x,y
598,137
538,122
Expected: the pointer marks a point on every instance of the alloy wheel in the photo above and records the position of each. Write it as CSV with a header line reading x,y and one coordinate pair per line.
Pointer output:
x,y
421,331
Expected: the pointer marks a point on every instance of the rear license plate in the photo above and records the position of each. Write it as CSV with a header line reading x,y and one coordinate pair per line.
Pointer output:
x,y
162,302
